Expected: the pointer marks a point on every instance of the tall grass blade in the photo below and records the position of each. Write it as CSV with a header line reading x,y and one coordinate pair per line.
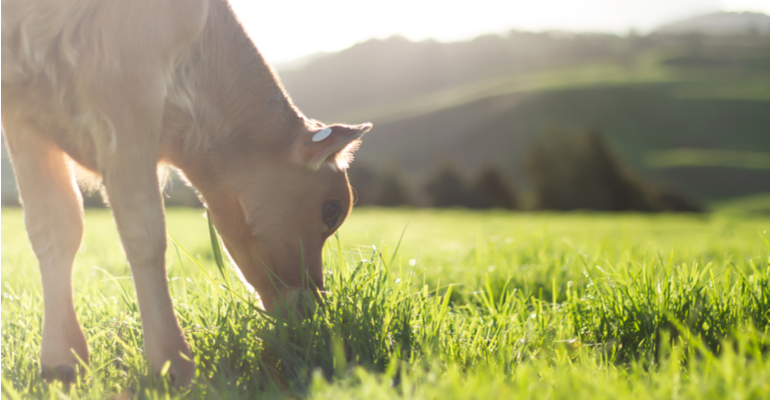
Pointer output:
x,y
216,248
398,245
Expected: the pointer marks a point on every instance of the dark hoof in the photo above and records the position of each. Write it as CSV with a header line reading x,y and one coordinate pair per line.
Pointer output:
x,y
63,373
172,379
179,377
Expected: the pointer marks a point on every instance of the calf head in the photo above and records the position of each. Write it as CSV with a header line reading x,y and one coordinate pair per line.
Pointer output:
x,y
275,210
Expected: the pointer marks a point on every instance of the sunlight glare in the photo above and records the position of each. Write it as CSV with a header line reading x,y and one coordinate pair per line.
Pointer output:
x,y
287,30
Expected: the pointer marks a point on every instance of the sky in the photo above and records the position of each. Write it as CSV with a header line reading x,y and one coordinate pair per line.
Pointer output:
x,y
285,30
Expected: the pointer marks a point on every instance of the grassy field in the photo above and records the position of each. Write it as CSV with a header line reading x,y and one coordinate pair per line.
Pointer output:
x,y
470,305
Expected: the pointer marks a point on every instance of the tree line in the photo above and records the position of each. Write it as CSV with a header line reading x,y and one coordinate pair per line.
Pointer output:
x,y
563,171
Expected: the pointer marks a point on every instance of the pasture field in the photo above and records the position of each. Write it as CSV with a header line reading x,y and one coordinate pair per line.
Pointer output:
x,y
448,304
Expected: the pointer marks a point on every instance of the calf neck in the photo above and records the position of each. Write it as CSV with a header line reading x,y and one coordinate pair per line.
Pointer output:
x,y
116,88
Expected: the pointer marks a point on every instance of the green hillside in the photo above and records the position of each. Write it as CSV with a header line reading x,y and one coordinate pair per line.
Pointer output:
x,y
486,101
638,119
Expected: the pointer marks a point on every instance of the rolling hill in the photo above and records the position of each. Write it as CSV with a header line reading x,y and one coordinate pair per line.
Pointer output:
x,y
724,24
487,100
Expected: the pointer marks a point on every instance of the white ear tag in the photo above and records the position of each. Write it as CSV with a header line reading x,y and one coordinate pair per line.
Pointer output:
x,y
321,135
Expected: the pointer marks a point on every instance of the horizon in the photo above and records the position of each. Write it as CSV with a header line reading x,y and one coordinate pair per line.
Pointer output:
x,y
283,35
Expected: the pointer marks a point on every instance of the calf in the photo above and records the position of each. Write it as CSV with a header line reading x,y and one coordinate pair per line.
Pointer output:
x,y
117,87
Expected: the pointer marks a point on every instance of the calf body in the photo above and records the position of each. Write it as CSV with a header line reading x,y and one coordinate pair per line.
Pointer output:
x,y
117,87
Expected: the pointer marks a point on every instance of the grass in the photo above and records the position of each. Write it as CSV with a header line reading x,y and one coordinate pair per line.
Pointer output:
x,y
467,305
753,204
689,157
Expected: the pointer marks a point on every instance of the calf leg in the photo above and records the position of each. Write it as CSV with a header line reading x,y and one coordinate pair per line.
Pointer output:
x,y
53,214
134,107
138,208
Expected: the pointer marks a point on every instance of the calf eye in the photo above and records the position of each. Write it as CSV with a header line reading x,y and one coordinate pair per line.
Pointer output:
x,y
331,212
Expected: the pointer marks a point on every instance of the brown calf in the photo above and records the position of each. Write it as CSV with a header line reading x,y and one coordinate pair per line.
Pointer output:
x,y
121,86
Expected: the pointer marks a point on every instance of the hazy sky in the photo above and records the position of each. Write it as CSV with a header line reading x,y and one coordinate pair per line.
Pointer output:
x,y
287,29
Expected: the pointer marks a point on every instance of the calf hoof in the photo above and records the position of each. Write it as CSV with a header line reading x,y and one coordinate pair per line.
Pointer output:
x,y
183,375
178,371
64,373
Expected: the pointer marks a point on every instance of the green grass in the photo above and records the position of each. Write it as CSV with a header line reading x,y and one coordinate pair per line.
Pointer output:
x,y
688,157
470,305
753,204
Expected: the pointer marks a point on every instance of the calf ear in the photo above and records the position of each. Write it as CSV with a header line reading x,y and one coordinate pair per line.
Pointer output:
x,y
333,145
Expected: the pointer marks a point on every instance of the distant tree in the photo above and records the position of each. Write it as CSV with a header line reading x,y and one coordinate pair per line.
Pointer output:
x,y
93,199
580,171
446,189
392,191
179,193
365,183
378,188
624,189
491,186
669,199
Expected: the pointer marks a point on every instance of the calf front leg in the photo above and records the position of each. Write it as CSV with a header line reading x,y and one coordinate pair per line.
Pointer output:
x,y
134,104
131,182
53,215
138,209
